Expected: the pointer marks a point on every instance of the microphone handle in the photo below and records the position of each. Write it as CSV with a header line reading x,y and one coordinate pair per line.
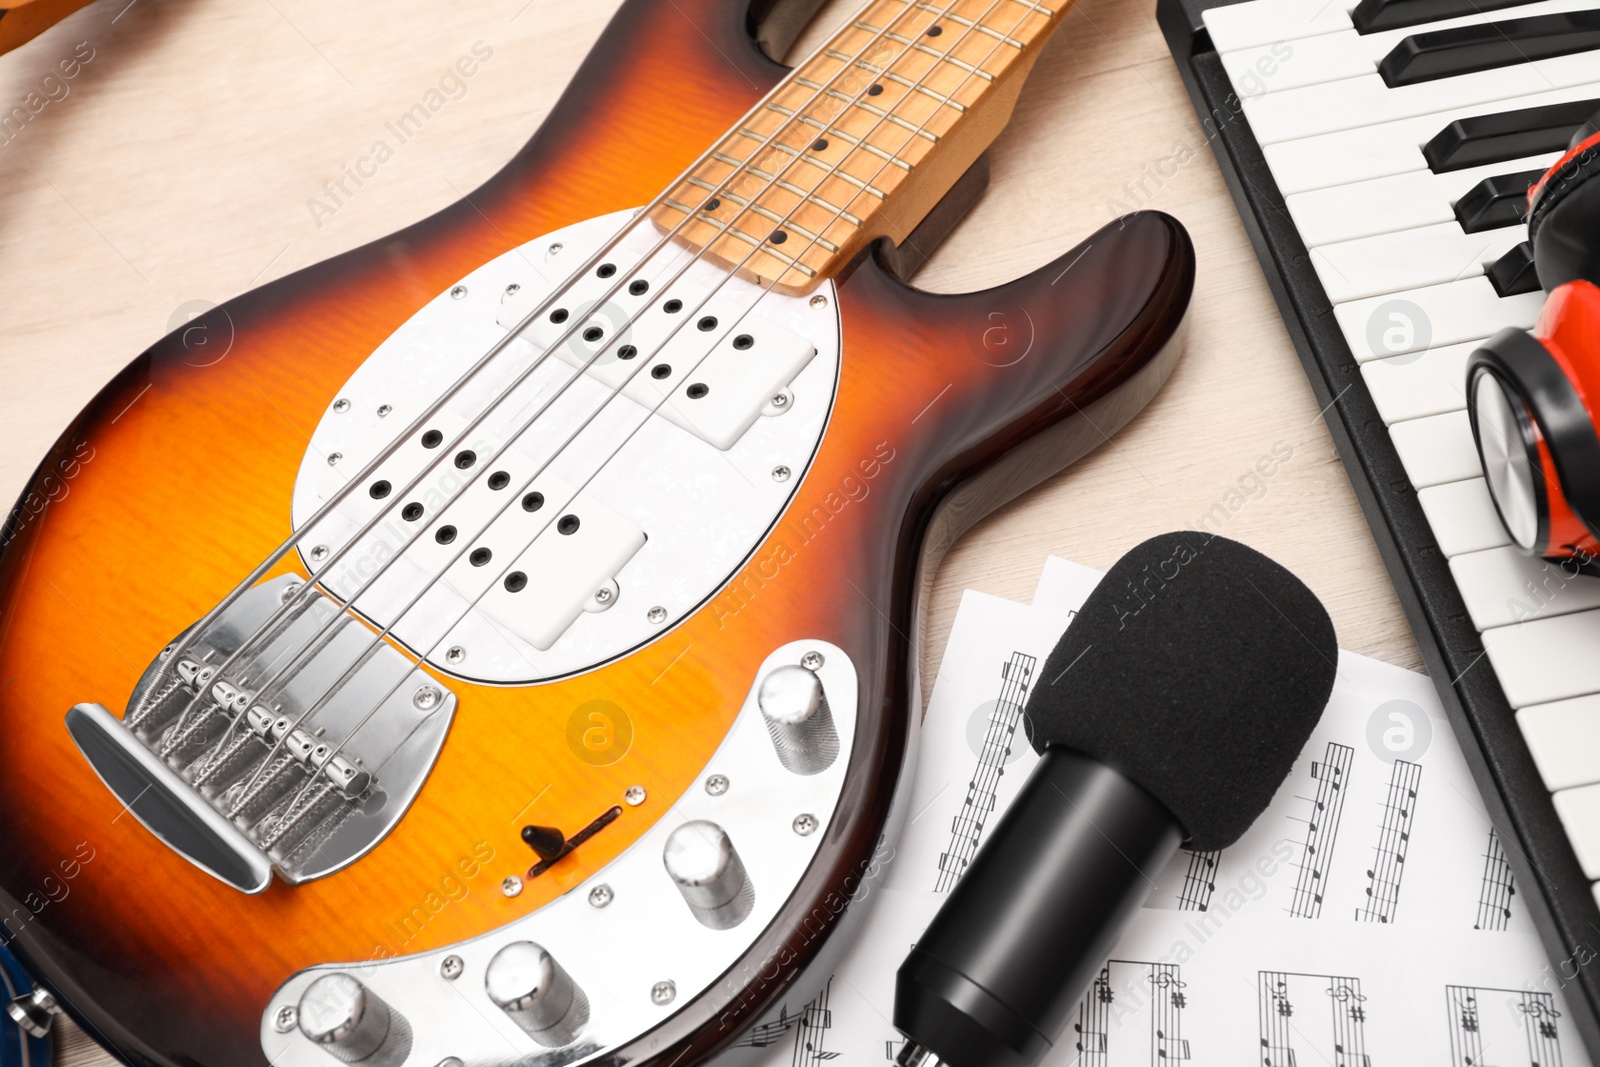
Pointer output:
x,y
995,979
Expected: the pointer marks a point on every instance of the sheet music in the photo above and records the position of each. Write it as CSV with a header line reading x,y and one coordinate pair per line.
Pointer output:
x,y
1149,999
1399,898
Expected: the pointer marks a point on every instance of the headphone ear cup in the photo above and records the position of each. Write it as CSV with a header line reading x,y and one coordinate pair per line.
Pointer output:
x,y
1564,213
1537,442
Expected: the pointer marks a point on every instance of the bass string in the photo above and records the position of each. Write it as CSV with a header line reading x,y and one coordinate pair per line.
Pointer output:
x,y
378,640
183,643
282,611
305,788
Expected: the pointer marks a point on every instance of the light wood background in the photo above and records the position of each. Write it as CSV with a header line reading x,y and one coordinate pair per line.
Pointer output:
x,y
179,165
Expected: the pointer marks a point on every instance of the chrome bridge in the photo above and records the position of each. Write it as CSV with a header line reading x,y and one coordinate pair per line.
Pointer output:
x,y
301,779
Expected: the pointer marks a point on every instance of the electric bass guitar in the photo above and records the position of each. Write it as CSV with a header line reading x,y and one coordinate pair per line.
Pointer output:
x,y
494,645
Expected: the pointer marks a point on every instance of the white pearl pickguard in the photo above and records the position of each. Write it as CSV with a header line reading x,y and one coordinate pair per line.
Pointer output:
x,y
676,477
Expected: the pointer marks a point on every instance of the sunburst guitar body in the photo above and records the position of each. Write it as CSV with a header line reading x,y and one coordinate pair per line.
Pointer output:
x,y
494,645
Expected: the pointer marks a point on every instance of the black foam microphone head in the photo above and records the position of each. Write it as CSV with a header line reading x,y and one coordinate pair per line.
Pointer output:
x,y
1198,668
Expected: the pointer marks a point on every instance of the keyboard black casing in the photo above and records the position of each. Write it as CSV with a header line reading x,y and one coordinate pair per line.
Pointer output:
x,y
1549,880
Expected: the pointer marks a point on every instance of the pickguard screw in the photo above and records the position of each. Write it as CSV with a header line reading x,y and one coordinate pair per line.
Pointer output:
x,y
426,697
805,824
284,1019
458,292
717,784
657,615
384,409
319,553
334,458
811,661
450,1061
555,249
819,301
513,288
450,968
601,895
603,595
634,796
455,655
287,595
781,400
512,886
781,473
664,992
341,406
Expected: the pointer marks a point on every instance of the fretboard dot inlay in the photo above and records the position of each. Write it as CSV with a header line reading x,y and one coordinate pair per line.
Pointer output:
x,y
778,237
934,31
876,90
821,145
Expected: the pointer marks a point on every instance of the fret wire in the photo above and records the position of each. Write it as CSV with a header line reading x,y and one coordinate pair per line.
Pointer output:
x,y
884,72
868,108
759,243
751,205
812,158
828,128
785,185
920,47
971,24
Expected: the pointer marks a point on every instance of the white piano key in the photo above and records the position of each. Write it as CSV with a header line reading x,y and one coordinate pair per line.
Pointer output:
x,y
1261,22
1546,659
1463,517
1419,384
1564,738
1505,586
1285,65
1398,202
1367,101
1579,810
1432,317
1368,152
1409,259
1437,449
1344,53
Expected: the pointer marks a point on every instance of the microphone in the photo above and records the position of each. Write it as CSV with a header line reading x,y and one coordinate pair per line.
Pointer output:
x,y
1168,714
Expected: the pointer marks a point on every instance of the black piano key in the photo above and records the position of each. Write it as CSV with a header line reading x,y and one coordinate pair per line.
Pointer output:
x,y
1496,202
1506,135
1466,49
1513,272
1370,16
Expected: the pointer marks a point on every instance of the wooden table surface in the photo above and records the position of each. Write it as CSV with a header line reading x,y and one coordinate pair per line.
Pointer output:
x,y
178,165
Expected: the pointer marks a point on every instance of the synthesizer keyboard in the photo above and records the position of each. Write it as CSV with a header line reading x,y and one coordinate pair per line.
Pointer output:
x,y
1380,153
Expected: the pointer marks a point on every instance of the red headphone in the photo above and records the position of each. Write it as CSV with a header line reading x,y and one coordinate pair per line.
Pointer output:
x,y
1532,396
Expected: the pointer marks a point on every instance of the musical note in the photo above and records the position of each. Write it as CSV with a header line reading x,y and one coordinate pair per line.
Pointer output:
x,y
1322,830
1515,1018
1394,838
809,1025
1496,889
1335,1037
1199,881
966,828
1162,999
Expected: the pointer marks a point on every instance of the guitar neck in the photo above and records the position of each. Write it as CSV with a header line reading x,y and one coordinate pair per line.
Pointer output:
x,y
862,139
